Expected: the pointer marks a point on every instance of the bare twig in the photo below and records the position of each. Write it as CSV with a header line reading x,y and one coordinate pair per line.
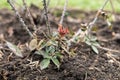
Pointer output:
x,y
20,18
90,26
107,49
113,9
29,15
112,6
9,56
104,4
109,55
86,76
48,2
43,12
46,15
74,37
63,13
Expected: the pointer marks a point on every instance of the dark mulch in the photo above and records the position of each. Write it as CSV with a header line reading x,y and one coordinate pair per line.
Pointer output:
x,y
85,65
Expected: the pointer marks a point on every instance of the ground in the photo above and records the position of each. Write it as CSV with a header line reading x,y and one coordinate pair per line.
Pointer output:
x,y
84,65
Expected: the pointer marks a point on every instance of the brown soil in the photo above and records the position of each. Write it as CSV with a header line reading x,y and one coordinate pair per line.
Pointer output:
x,y
85,65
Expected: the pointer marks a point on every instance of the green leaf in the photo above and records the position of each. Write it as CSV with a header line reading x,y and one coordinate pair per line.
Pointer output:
x,y
96,44
44,63
44,54
55,34
14,48
95,49
52,49
93,38
58,54
47,50
88,42
56,62
39,52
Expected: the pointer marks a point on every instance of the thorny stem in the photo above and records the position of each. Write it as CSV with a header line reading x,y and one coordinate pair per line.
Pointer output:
x,y
46,15
104,4
29,15
42,15
20,18
112,6
90,25
48,2
63,13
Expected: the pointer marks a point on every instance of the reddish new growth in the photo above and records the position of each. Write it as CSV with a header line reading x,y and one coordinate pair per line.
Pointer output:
x,y
62,31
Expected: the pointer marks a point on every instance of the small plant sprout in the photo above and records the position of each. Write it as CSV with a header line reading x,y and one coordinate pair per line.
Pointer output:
x,y
50,54
49,50
85,31
92,41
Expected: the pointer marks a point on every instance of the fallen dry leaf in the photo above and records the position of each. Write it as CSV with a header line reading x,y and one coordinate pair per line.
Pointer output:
x,y
33,44
14,48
